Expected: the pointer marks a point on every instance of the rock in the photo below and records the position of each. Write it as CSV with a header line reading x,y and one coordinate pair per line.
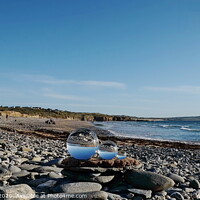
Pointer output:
x,y
28,167
14,169
20,174
57,162
3,144
50,183
195,184
17,192
146,193
48,169
103,179
148,180
36,182
25,149
88,177
96,162
196,195
78,187
50,121
139,198
98,195
176,178
55,175
177,196
4,174
188,190
36,159
112,196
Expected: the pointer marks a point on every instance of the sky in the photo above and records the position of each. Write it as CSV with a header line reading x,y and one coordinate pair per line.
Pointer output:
x,y
132,57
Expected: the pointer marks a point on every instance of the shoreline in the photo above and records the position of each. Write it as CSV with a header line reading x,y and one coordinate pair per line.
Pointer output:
x,y
62,128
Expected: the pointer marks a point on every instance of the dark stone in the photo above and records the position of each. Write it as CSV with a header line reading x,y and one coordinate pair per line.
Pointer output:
x,y
148,180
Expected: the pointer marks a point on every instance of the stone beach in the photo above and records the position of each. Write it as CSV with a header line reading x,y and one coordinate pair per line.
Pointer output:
x,y
34,167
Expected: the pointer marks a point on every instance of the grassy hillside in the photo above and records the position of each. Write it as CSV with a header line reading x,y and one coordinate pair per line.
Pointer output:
x,y
55,113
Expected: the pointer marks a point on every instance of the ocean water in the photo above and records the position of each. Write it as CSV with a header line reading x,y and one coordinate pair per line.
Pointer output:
x,y
185,131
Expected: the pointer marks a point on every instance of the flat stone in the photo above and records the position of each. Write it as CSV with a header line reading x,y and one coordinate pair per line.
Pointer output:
x,y
176,178
23,173
146,193
103,179
78,187
112,196
49,183
36,182
96,162
36,159
4,174
55,175
26,149
14,169
28,167
17,192
48,169
148,180
57,162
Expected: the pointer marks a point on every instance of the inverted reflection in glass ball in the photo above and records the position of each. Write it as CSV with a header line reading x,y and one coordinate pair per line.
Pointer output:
x,y
108,150
82,144
121,154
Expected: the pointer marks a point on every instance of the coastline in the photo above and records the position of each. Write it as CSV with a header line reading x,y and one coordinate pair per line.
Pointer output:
x,y
62,128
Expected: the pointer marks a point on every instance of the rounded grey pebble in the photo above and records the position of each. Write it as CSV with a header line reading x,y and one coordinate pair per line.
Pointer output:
x,y
177,196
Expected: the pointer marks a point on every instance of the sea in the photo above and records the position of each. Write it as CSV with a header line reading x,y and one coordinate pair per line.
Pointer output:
x,y
182,131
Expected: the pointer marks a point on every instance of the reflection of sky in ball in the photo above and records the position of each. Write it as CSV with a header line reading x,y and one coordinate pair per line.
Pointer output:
x,y
108,150
82,144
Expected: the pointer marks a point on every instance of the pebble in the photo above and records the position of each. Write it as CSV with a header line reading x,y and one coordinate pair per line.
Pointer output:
x,y
146,193
78,187
17,192
14,169
195,184
4,174
177,196
148,180
176,178
22,173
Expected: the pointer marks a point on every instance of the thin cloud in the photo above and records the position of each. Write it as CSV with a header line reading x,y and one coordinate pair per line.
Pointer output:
x,y
181,89
92,83
102,84
65,97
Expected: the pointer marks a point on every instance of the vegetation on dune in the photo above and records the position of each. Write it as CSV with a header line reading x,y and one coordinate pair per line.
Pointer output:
x,y
55,113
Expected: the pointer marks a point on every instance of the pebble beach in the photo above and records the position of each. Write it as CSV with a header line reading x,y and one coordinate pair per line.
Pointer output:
x,y
31,167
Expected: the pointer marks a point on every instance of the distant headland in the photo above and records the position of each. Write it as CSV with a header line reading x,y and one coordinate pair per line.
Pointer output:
x,y
40,112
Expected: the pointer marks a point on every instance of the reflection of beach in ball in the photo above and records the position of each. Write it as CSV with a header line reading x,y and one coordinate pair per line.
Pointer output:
x,y
82,144
108,150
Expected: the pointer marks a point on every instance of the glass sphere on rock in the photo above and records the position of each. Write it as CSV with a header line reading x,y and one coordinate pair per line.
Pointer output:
x,y
82,144
108,150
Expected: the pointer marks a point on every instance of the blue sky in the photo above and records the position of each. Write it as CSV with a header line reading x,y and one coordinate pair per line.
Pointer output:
x,y
132,57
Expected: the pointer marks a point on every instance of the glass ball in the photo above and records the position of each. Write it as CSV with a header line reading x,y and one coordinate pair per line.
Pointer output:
x,y
82,144
121,154
108,150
